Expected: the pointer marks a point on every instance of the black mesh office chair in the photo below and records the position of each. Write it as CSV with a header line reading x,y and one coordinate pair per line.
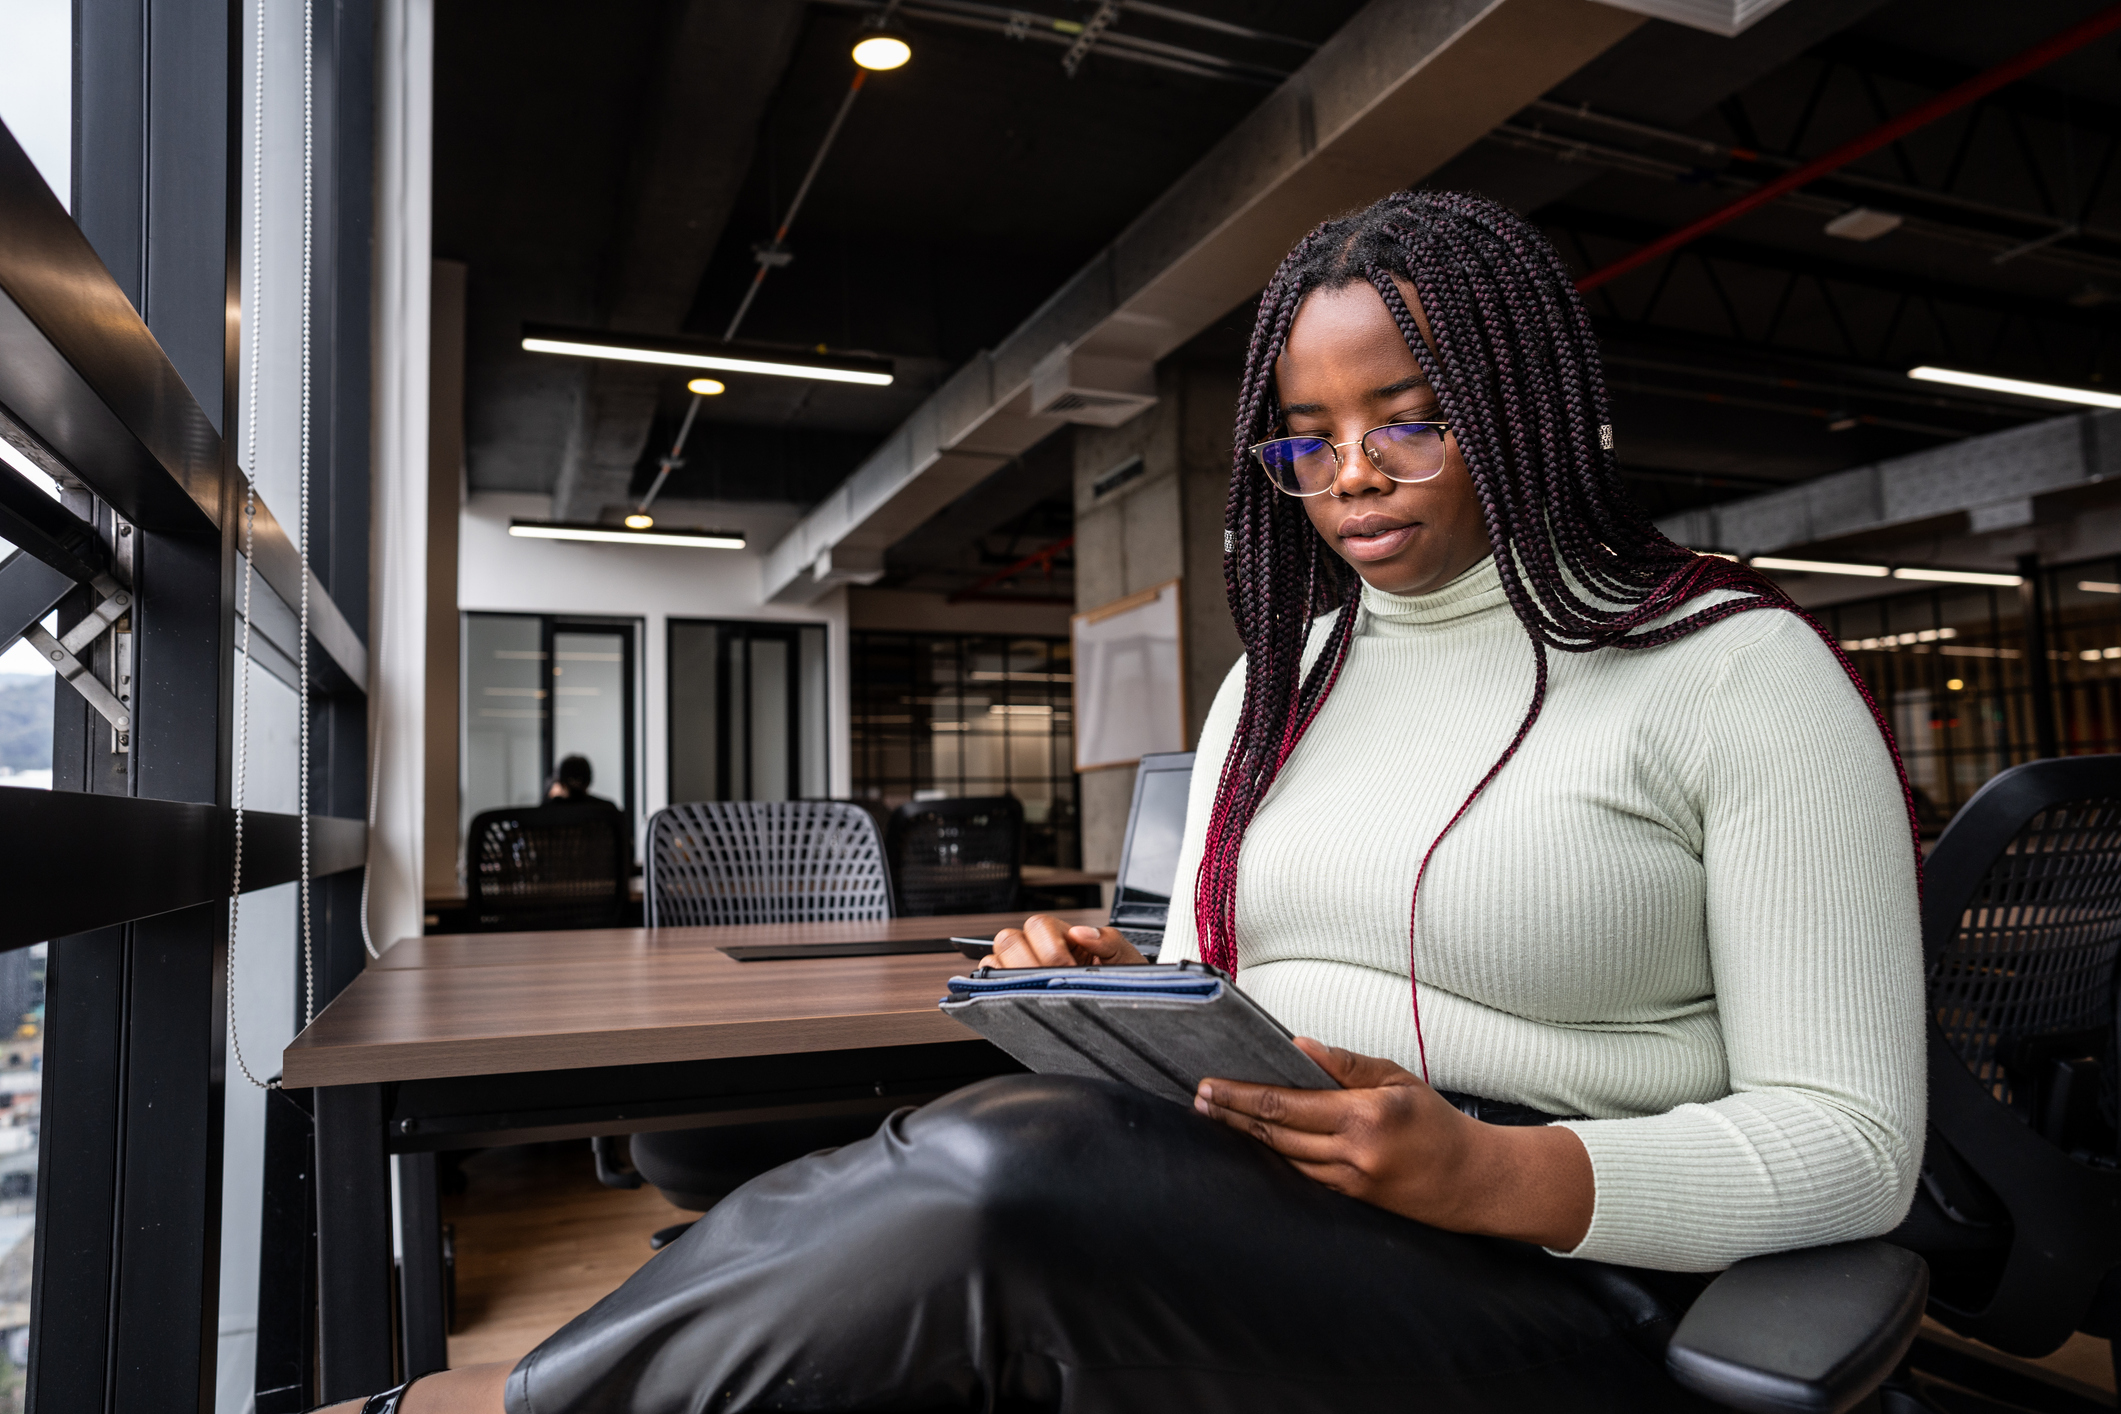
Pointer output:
x,y
757,861
798,861
957,856
2020,1207
2018,1213
546,866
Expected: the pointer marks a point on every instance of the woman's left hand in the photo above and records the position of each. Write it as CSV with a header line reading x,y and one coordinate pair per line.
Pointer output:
x,y
1388,1139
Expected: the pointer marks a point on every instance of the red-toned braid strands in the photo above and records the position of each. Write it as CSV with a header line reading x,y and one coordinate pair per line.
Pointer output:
x,y
1517,372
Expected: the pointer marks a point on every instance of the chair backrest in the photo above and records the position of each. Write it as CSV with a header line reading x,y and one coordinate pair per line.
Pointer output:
x,y
756,861
2021,929
539,867
963,855
2021,934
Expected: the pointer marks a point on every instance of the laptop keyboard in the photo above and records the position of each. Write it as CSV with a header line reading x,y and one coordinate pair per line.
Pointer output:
x,y
1147,941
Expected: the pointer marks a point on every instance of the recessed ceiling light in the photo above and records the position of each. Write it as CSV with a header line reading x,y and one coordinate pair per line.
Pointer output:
x,y
706,387
684,353
882,51
612,535
1861,223
2053,392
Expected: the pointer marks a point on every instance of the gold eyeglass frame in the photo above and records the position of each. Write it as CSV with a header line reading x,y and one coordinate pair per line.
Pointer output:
x,y
1340,462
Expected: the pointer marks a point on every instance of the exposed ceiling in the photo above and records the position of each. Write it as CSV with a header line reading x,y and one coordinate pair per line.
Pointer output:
x,y
963,190
615,166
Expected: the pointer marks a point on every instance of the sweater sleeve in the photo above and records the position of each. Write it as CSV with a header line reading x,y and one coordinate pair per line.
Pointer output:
x,y
1814,941
1181,934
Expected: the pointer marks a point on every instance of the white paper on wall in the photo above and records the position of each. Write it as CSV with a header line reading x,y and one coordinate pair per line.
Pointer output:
x,y
1129,697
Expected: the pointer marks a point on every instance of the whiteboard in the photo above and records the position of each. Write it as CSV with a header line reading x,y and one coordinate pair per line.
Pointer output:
x,y
1129,692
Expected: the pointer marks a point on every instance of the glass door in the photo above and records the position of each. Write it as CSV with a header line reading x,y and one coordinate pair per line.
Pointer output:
x,y
592,706
538,690
747,711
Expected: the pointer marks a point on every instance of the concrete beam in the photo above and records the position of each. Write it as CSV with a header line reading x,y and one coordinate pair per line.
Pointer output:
x,y
1404,86
1975,487
721,61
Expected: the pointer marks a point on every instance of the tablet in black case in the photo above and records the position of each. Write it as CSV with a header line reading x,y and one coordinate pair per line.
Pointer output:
x,y
1162,1029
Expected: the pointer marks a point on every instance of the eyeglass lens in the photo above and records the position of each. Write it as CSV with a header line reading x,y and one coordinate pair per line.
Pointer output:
x,y
1403,451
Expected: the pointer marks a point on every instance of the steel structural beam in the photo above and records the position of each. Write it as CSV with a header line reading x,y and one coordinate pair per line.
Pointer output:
x,y
1404,85
1920,116
79,368
2003,470
175,854
1586,221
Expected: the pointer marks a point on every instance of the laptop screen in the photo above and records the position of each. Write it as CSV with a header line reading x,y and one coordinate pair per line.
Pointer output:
x,y
1148,872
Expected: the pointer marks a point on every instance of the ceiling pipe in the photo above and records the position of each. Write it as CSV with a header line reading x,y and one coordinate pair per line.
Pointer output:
x,y
1033,560
1921,116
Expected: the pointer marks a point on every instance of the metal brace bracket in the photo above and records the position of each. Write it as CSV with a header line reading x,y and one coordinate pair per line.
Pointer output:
x,y
115,602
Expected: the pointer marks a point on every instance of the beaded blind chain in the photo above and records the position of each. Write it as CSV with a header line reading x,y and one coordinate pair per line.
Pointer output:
x,y
253,332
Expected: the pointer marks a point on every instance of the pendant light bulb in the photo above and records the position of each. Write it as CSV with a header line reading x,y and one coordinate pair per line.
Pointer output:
x,y
640,520
880,50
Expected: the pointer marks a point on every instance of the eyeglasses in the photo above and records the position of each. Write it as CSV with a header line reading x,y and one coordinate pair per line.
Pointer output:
x,y
1306,466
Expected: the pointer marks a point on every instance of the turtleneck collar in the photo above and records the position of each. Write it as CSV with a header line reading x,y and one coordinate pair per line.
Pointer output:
x,y
1477,591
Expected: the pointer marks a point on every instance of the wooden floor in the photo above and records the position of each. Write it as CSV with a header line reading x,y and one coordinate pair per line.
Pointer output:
x,y
539,1241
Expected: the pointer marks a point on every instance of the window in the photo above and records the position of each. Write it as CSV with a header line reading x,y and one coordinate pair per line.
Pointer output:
x,y
953,715
747,711
1949,667
537,690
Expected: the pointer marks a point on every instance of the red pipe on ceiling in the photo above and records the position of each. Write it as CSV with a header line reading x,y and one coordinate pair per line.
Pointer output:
x,y
1031,561
1979,86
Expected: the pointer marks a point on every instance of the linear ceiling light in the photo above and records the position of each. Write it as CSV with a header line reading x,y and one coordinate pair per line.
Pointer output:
x,y
2053,392
613,535
1769,562
675,355
2007,581
1914,572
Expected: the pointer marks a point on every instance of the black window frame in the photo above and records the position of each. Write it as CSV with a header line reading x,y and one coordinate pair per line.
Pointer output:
x,y
120,341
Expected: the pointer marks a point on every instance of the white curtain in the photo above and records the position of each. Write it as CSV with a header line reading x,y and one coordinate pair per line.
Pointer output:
x,y
397,637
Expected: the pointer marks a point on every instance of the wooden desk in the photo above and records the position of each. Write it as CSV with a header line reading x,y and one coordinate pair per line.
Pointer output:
x,y
493,1003
502,1038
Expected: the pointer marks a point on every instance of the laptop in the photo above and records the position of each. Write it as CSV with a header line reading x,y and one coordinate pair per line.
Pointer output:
x,y
1148,861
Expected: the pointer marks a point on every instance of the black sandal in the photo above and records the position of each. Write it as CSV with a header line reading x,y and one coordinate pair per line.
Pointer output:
x,y
387,1402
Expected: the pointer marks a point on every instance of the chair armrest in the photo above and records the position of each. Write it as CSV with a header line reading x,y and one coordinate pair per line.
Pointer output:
x,y
1809,1332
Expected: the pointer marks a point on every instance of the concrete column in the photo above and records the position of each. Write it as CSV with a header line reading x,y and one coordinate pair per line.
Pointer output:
x,y
1148,509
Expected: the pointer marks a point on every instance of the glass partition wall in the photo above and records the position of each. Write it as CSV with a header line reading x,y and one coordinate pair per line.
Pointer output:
x,y
747,711
538,689
954,715
1955,670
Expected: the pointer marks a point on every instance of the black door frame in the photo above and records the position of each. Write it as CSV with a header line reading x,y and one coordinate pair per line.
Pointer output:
x,y
732,640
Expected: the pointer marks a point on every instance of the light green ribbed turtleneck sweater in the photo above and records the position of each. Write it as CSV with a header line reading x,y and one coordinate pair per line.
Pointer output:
x,y
1686,908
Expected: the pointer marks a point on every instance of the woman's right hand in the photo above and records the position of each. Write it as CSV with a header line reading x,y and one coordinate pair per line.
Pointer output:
x,y
1045,941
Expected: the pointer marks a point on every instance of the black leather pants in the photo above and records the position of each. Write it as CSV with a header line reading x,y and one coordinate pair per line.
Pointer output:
x,y
1043,1243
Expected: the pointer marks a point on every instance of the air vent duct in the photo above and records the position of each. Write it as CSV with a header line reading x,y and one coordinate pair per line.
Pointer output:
x,y
1103,392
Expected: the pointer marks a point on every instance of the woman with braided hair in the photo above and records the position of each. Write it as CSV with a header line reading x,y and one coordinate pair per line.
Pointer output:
x,y
1585,857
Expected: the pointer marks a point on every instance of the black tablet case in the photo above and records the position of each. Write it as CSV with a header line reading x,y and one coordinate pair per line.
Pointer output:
x,y
1162,1029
